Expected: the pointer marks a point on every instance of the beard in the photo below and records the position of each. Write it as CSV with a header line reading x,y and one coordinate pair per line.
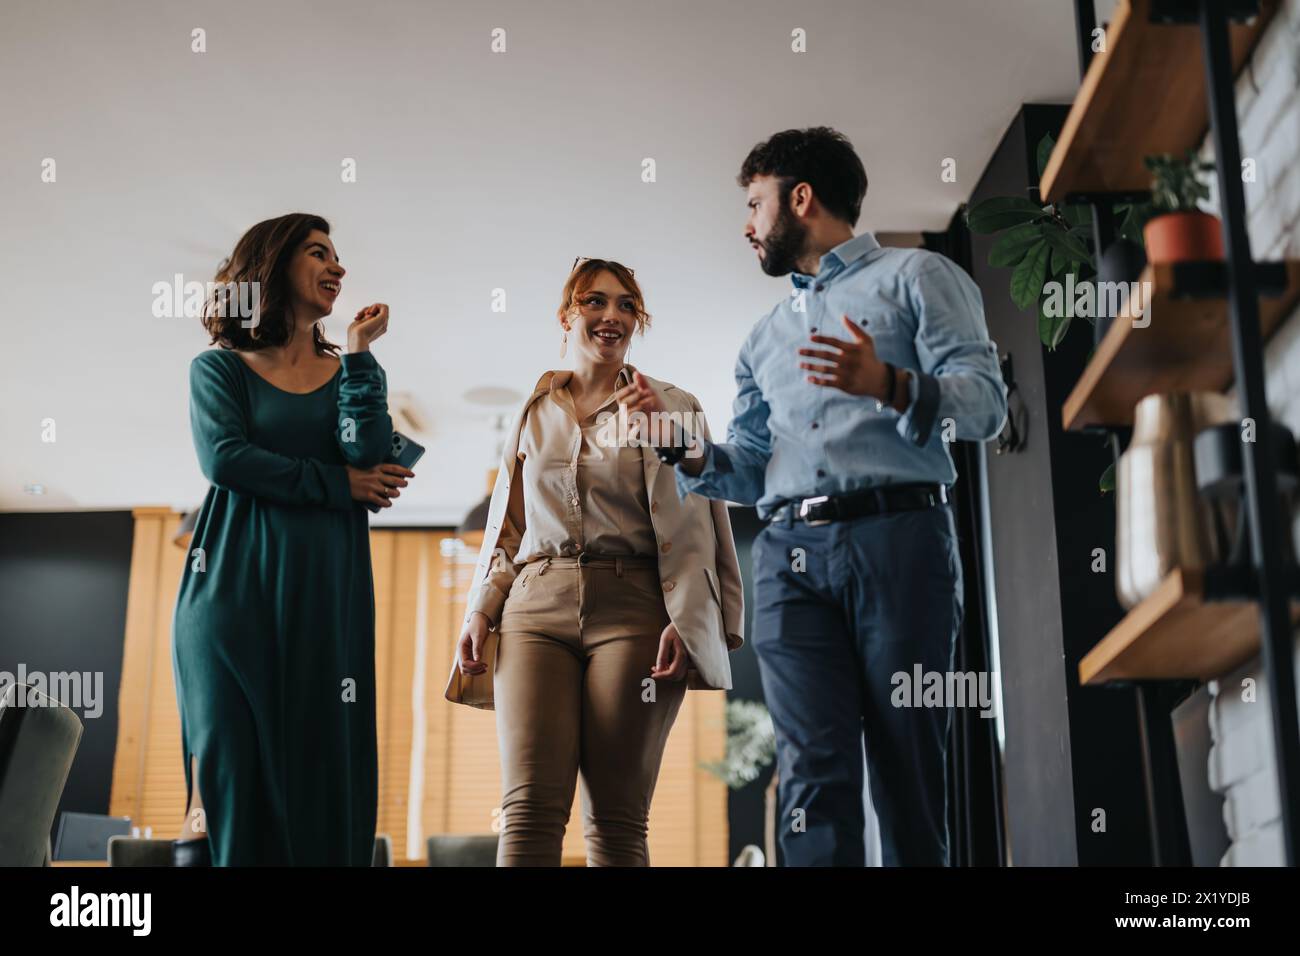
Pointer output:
x,y
783,245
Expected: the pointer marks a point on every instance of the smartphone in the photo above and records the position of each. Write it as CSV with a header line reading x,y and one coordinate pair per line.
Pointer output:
x,y
404,451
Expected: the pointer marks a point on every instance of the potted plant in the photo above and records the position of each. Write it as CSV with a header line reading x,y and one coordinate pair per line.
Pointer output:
x,y
1180,231
1046,245
1042,244
751,746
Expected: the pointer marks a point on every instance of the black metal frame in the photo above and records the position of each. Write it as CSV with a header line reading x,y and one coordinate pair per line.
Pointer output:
x,y
1272,583
1258,458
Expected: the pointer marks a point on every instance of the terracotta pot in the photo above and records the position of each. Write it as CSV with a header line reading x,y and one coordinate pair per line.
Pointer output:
x,y
1184,237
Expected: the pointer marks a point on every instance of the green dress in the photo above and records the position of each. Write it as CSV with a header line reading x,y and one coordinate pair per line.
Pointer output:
x,y
274,631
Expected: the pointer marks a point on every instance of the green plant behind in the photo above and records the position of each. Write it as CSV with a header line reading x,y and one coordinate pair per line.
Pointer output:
x,y
1177,184
751,744
1040,243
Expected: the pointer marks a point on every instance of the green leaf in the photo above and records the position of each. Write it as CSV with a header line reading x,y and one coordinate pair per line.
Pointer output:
x,y
1045,147
1002,212
1078,214
1132,217
1107,481
1129,230
1069,245
1176,184
1028,278
1014,243
1060,263
1052,328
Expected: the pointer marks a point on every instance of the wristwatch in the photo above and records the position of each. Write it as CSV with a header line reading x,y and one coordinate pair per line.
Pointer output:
x,y
890,381
672,454
892,390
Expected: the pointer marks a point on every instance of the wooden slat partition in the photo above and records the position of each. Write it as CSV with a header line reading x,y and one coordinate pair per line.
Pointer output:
x,y
137,651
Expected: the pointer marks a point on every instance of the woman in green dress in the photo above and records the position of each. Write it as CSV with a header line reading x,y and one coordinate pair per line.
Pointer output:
x,y
273,639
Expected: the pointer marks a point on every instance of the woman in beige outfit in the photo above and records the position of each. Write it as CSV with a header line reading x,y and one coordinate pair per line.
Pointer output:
x,y
603,592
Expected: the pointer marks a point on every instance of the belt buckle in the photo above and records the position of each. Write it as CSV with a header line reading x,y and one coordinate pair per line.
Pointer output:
x,y
803,511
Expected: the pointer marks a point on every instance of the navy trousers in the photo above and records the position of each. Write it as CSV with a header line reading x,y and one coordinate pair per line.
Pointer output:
x,y
840,609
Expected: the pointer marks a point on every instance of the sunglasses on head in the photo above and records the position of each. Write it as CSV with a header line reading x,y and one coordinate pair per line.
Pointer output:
x,y
581,259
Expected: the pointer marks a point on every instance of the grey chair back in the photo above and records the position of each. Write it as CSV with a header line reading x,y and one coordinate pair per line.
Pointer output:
x,y
447,849
135,851
38,741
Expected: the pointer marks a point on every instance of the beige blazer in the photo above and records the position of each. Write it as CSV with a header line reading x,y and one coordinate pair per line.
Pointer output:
x,y
698,569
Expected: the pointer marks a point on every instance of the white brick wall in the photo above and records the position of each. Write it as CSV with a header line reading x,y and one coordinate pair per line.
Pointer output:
x,y
1241,765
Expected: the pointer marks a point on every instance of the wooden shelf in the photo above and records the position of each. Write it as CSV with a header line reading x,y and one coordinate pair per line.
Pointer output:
x,y
1144,94
1186,347
1176,634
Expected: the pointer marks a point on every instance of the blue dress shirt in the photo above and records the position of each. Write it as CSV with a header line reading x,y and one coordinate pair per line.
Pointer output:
x,y
789,439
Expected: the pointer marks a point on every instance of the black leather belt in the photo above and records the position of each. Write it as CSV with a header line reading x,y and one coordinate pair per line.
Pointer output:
x,y
873,501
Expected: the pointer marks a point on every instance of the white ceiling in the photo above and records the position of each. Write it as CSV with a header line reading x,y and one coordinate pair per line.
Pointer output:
x,y
476,171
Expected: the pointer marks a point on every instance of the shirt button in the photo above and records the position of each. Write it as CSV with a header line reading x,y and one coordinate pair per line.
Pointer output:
x,y
667,546
820,474
669,585
575,500
817,287
815,425
654,507
814,328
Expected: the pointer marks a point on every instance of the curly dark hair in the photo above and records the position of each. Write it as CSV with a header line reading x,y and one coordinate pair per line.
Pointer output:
x,y
262,255
819,156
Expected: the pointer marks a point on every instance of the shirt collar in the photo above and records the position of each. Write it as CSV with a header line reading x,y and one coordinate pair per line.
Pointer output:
x,y
842,256
562,378
560,391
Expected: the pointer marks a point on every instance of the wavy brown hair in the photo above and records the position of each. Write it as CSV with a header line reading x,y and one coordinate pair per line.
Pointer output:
x,y
584,276
262,255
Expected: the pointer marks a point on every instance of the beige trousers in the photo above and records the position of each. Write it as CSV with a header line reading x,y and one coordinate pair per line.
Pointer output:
x,y
574,696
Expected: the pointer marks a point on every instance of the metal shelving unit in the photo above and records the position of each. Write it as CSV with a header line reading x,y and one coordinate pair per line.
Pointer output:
x,y
1098,160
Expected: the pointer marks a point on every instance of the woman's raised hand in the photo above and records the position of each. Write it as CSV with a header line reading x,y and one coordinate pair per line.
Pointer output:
x,y
645,409
370,323
640,396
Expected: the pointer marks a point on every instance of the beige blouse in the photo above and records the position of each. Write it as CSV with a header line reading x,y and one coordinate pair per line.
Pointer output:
x,y
580,494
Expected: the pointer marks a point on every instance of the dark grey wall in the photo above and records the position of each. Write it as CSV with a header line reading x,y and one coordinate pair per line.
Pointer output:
x,y
745,808
63,587
1069,750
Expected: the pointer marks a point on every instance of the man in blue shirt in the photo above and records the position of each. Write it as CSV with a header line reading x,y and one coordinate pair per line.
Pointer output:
x,y
849,391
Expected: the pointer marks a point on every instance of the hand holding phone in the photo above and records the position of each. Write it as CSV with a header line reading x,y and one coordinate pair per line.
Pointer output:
x,y
403,451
